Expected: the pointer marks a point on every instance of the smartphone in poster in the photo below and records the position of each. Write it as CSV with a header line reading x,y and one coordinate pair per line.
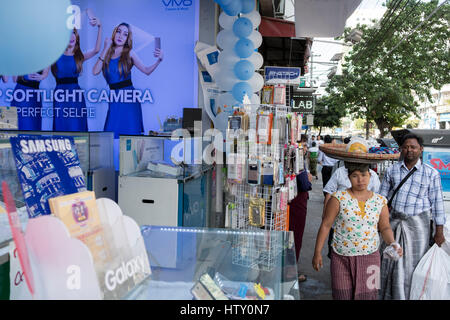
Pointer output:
x,y
114,75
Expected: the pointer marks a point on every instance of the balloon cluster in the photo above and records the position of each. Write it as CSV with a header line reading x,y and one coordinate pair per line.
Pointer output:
x,y
239,58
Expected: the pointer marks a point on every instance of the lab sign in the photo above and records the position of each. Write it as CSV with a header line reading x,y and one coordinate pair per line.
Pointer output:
x,y
303,103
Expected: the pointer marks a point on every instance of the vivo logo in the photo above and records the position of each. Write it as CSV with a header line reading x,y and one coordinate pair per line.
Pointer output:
x,y
176,3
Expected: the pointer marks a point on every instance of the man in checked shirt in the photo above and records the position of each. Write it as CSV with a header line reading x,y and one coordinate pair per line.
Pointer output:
x,y
417,202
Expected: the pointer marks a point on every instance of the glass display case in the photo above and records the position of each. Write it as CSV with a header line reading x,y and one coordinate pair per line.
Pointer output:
x,y
95,151
200,263
164,181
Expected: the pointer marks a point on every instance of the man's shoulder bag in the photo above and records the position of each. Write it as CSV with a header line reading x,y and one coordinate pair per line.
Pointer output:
x,y
399,186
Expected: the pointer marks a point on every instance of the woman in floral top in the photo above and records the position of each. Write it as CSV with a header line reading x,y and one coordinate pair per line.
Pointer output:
x,y
357,215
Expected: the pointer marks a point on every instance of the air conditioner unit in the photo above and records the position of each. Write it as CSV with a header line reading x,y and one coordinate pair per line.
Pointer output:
x,y
332,72
280,8
354,36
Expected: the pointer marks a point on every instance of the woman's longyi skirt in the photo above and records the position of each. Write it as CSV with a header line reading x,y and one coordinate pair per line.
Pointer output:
x,y
355,277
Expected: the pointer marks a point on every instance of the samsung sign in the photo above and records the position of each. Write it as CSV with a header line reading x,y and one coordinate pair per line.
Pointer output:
x,y
282,75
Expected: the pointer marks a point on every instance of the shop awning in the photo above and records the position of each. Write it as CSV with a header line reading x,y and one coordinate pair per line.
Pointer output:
x,y
272,27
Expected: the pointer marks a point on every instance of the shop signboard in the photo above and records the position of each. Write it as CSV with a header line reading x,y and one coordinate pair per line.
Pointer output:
x,y
439,158
302,83
303,103
82,101
444,117
436,152
282,75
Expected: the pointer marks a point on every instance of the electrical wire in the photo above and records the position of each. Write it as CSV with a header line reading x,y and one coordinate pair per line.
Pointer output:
x,y
417,27
384,25
392,29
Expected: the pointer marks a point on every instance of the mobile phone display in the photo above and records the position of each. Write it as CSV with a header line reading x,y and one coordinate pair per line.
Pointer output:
x,y
157,43
253,173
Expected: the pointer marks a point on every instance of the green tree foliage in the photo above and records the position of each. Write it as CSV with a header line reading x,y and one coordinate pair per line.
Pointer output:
x,y
327,113
389,65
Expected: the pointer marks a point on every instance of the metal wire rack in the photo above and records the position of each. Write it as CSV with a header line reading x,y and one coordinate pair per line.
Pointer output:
x,y
259,250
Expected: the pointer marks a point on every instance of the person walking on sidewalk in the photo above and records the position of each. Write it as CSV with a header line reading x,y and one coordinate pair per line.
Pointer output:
x,y
327,164
415,201
339,181
313,153
357,215
297,213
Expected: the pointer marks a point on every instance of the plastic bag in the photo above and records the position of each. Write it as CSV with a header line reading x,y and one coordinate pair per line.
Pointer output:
x,y
391,252
431,278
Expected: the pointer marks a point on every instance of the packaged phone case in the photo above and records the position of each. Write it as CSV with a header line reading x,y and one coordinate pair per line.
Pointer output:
x,y
283,198
264,128
294,128
236,165
292,187
299,127
267,96
267,173
254,172
279,95
299,163
256,211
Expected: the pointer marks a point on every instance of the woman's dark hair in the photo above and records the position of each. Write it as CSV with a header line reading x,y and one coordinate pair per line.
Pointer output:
x,y
327,139
412,136
313,144
347,140
353,166
304,138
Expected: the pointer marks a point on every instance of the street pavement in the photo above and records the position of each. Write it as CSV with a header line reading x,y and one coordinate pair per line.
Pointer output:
x,y
318,284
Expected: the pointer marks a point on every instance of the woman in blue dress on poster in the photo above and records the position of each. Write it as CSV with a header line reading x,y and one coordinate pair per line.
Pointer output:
x,y
70,112
29,103
116,61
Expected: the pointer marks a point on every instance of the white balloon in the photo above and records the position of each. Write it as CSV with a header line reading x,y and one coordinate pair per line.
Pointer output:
x,y
226,101
255,99
228,57
225,21
226,79
226,39
257,60
254,17
226,66
256,38
257,82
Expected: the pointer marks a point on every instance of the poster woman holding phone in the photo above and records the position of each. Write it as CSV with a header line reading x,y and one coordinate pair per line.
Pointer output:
x,y
71,114
29,113
116,61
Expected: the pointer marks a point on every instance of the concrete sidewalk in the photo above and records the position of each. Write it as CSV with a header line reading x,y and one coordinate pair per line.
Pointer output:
x,y
318,285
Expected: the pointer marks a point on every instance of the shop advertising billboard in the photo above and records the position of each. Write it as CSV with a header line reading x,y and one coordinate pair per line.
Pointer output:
x,y
129,66
439,158
282,75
